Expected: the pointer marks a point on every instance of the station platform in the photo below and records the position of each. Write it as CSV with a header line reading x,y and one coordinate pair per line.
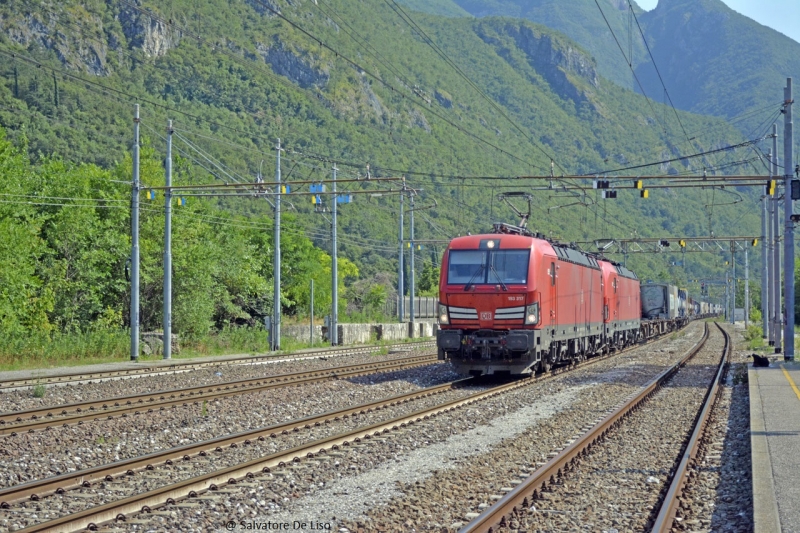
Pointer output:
x,y
775,444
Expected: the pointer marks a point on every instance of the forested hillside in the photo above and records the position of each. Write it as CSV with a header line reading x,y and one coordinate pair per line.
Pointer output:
x,y
580,20
711,59
717,61
355,84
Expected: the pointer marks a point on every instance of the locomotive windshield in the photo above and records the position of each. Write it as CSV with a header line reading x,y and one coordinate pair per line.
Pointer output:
x,y
481,267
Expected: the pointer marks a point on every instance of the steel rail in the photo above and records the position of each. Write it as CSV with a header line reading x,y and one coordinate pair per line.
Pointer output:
x,y
35,490
669,508
93,517
521,497
12,423
185,366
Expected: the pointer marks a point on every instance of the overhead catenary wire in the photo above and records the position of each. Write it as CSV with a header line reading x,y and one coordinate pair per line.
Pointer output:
x,y
680,158
413,98
653,59
630,63
409,20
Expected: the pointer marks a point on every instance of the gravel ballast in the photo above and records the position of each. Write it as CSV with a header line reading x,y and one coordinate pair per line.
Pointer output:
x,y
425,490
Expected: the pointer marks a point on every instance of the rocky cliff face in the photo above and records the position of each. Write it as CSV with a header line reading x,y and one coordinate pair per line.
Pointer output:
x,y
262,7
153,36
38,30
88,46
553,59
297,68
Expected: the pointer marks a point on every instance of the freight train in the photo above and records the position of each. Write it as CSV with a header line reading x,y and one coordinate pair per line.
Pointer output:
x,y
514,302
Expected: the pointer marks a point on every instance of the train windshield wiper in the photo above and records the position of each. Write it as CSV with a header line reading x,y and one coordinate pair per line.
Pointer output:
x,y
493,271
475,275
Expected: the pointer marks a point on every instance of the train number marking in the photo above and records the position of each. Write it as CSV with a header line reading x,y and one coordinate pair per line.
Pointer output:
x,y
516,298
486,316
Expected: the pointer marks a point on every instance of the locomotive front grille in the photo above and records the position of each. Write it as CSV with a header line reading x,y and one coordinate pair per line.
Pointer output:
x,y
510,313
463,313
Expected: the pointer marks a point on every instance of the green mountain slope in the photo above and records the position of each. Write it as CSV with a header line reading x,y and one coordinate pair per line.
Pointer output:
x,y
581,21
715,60
235,77
447,8
712,59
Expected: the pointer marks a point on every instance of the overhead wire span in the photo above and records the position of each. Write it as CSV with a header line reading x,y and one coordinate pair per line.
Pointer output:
x,y
653,59
410,21
630,63
681,158
413,98
132,98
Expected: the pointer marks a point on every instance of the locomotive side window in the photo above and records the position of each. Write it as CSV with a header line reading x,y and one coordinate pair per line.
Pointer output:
x,y
553,274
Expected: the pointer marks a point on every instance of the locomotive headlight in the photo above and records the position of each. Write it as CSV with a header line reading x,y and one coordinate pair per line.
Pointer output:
x,y
444,318
532,314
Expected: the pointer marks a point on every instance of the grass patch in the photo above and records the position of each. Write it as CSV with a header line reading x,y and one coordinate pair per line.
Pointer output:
x,y
39,390
42,350
32,351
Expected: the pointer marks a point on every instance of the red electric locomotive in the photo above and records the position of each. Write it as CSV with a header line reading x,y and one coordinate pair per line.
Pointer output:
x,y
513,302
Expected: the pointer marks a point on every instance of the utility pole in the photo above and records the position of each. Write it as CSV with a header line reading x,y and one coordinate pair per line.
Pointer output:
x,y
312,311
727,293
788,233
766,250
135,241
765,247
733,283
777,328
400,291
411,286
334,324
276,275
167,318
746,290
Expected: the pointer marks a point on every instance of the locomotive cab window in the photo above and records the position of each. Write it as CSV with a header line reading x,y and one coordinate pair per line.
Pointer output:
x,y
553,274
465,266
481,267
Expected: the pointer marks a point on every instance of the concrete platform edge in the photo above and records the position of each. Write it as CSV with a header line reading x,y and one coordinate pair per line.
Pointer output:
x,y
765,505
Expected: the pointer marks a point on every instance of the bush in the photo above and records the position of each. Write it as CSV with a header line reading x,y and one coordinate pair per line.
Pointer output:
x,y
753,332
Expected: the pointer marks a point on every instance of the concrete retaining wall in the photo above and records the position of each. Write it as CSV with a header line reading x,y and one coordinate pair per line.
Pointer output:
x,y
302,333
362,333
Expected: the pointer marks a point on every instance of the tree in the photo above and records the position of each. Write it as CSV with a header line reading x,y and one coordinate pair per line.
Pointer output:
x,y
428,284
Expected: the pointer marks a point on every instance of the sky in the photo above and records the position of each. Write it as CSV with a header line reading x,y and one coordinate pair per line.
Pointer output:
x,y
780,15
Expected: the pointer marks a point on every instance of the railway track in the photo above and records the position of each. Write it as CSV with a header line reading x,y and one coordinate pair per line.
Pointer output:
x,y
316,450
516,508
36,490
186,366
668,514
12,423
